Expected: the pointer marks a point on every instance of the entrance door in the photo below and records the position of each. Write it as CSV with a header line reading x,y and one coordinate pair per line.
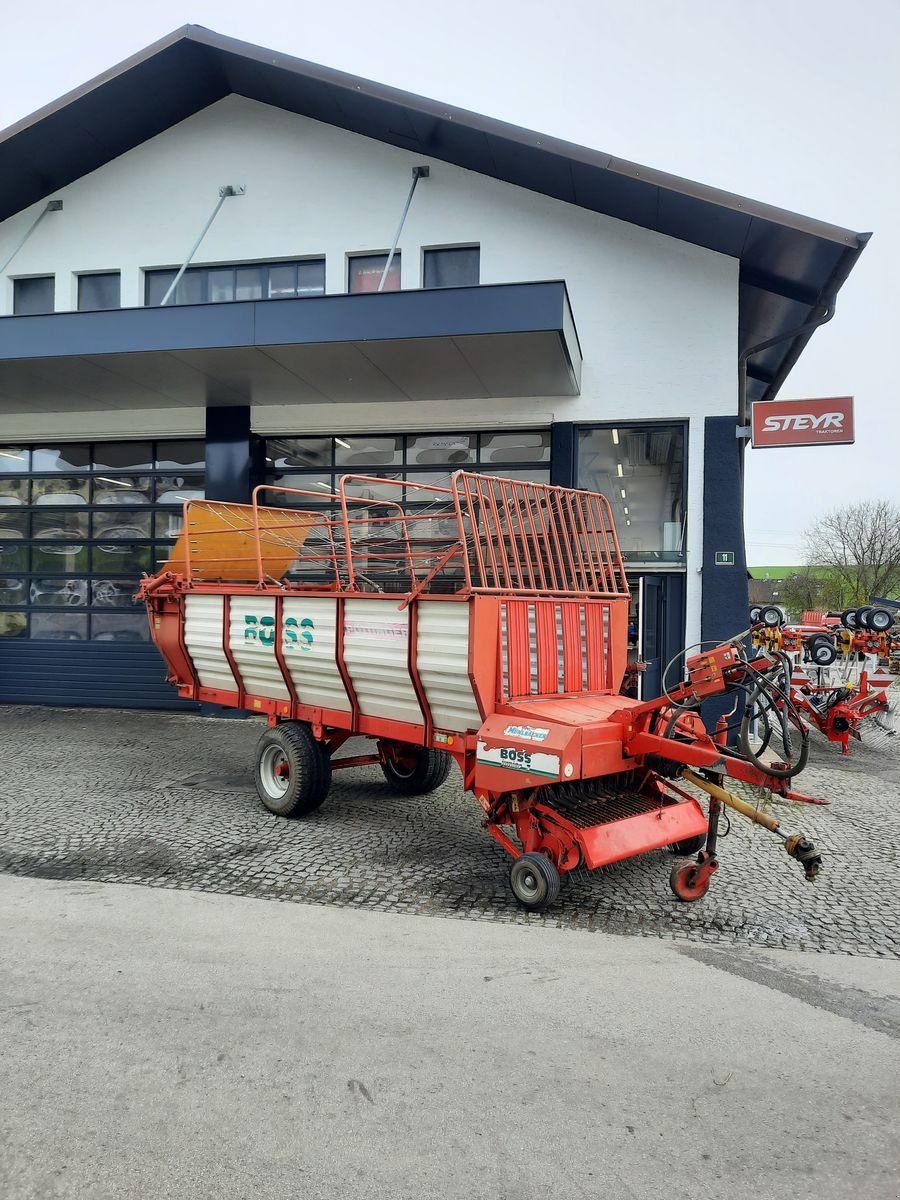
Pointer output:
x,y
661,624
653,629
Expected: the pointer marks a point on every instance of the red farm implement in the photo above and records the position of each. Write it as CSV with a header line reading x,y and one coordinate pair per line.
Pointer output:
x,y
484,623
835,667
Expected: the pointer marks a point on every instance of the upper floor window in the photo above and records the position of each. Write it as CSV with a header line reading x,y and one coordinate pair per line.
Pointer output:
x,y
255,281
457,266
365,272
31,296
101,291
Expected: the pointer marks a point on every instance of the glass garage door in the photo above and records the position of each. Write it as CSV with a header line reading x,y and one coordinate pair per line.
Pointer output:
x,y
79,524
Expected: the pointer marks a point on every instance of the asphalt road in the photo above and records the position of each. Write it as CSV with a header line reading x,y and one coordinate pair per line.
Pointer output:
x,y
161,1044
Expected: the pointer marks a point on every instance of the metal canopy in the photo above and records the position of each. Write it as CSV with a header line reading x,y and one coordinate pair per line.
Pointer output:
x,y
443,344
791,265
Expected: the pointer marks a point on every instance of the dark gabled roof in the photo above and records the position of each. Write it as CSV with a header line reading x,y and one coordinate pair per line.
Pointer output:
x,y
791,266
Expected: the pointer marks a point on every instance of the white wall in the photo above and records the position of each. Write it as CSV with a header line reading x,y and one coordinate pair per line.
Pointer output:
x,y
656,318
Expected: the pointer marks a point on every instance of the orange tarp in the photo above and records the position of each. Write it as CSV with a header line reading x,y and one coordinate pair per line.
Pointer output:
x,y
221,540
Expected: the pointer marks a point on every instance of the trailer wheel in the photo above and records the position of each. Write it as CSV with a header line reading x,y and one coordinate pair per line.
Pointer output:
x,y
821,650
534,881
689,845
414,770
880,620
687,883
293,770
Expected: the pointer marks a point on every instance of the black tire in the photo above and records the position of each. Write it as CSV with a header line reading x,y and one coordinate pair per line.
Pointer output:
x,y
689,846
862,617
821,650
292,771
848,618
415,770
534,880
772,616
754,614
880,620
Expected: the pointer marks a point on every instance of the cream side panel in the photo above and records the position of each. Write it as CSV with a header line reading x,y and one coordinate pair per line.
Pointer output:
x,y
203,639
442,656
251,638
308,637
376,649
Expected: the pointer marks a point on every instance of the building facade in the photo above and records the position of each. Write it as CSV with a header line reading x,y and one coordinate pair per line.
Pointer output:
x,y
545,313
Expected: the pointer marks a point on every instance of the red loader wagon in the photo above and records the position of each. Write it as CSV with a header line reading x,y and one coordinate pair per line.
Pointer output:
x,y
484,622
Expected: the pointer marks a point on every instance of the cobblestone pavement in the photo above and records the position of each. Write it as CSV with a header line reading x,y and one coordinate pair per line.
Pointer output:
x,y
168,801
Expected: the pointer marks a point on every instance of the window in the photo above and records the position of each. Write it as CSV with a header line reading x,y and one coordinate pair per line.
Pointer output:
x,y
425,459
640,470
31,296
310,463
256,281
79,523
455,267
366,270
97,292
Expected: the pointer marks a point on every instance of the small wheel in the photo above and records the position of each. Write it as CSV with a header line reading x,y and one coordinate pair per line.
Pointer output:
x,y
293,770
689,845
848,618
534,881
862,617
880,620
755,610
414,770
772,616
821,650
687,883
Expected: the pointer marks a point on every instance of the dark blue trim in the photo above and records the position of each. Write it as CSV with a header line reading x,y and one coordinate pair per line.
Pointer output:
x,y
228,455
438,312
563,464
726,598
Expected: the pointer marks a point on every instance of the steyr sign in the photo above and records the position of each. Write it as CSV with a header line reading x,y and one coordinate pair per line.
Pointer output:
x,y
803,422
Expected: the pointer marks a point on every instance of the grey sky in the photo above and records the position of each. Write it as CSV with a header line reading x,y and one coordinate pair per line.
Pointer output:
x,y
794,102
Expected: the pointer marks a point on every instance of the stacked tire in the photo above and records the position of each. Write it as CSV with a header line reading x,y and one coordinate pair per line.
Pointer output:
x,y
767,614
869,618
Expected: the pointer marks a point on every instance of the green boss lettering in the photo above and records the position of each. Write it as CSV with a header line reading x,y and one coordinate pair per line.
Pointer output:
x,y
296,634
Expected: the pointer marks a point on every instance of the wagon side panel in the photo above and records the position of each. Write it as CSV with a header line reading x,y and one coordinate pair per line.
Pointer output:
x,y
442,656
309,642
376,654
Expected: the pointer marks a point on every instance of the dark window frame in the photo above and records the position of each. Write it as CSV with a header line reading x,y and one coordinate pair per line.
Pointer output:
x,y
332,471
33,279
359,255
203,273
635,560
461,248
92,275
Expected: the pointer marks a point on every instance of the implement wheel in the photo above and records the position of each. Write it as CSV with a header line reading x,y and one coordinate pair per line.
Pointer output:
x,y
414,770
293,770
534,881
689,882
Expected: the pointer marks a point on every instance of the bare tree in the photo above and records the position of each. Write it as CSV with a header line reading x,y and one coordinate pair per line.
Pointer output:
x,y
859,545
